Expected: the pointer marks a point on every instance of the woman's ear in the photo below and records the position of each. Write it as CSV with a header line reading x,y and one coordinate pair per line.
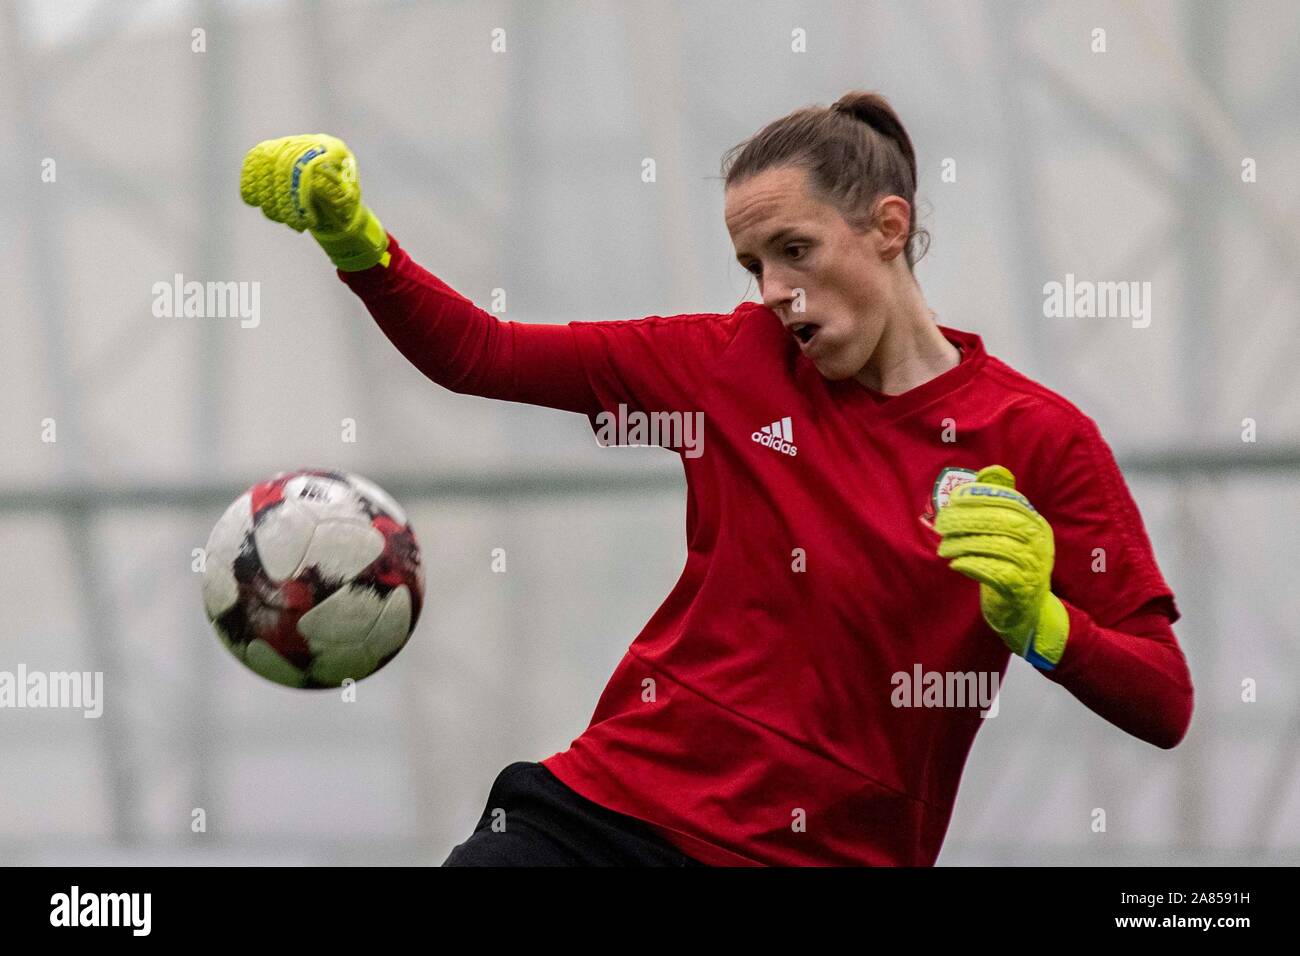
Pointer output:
x,y
892,219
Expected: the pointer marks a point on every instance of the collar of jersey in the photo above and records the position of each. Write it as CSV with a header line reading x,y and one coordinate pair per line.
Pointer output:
x,y
892,407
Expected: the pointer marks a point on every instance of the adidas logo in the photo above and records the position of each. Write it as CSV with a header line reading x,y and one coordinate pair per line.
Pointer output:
x,y
778,436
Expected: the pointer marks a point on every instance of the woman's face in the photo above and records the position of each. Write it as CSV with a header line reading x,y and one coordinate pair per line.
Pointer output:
x,y
791,240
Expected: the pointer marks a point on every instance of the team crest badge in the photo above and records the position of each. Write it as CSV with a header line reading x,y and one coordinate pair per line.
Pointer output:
x,y
948,481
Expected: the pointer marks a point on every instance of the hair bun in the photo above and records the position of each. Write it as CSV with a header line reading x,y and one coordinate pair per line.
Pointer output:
x,y
874,110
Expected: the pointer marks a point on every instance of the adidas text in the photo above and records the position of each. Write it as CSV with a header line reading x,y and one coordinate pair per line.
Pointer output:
x,y
779,436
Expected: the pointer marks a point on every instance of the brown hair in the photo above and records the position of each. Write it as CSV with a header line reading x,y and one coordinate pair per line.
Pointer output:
x,y
855,151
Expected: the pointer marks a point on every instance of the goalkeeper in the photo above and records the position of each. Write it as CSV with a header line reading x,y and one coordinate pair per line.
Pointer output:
x,y
880,501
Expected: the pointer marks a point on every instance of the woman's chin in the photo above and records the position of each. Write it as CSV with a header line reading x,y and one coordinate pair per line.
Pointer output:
x,y
835,371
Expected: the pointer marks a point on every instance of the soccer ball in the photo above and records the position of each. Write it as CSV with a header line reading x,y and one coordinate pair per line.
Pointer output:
x,y
313,577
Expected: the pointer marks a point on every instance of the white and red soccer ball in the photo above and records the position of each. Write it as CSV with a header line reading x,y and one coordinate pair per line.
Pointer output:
x,y
313,577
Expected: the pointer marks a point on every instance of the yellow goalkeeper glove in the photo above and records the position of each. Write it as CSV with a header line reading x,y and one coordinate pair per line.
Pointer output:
x,y
310,182
993,534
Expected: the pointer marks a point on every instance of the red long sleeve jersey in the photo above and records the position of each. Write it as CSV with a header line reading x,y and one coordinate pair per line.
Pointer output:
x,y
754,719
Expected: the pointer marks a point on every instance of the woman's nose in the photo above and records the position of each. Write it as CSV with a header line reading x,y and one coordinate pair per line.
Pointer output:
x,y
775,292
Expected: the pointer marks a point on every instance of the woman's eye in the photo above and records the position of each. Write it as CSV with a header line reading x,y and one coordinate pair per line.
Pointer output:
x,y
800,248
754,269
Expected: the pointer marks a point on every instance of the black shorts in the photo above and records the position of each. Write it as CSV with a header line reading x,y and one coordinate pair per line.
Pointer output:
x,y
548,824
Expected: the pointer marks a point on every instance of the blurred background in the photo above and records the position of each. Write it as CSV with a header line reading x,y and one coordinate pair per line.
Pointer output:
x,y
1168,158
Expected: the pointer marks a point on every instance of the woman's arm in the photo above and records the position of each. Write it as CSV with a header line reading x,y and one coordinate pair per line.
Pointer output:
x,y
310,182
1121,658
1133,673
467,350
